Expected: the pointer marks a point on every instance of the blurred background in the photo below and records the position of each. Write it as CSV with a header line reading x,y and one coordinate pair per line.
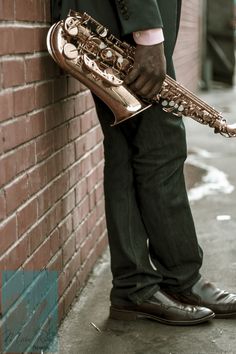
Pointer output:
x,y
206,43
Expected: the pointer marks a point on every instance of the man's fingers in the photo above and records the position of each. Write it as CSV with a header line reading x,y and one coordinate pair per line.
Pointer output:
x,y
132,76
147,87
139,83
154,91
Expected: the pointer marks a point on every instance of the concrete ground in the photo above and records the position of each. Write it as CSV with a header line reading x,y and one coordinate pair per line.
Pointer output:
x,y
87,329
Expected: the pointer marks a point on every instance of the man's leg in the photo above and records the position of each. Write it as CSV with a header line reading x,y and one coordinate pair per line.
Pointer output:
x,y
159,154
135,293
133,276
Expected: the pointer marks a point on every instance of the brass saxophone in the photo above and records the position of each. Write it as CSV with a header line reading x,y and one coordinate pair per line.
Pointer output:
x,y
84,48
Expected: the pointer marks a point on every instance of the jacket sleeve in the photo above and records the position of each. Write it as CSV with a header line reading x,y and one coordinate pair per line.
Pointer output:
x,y
137,15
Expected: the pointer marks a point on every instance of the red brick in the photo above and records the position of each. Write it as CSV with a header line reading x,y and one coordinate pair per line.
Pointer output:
x,y
61,137
35,125
27,216
89,101
47,9
6,104
68,109
99,135
60,88
92,201
37,178
40,68
68,249
85,165
97,154
54,165
16,162
1,140
101,245
75,263
6,10
40,35
81,232
18,255
56,262
65,229
91,180
91,220
8,234
13,72
2,206
14,133
52,219
24,100
74,86
45,200
80,147
31,11
34,68
28,44
36,237
43,94
7,43
83,209
44,146
61,186
54,116
68,203
86,122
90,140
81,191
16,193
74,173
70,295
68,155
40,258
54,241
74,128
64,280
80,104
85,270
8,169
99,191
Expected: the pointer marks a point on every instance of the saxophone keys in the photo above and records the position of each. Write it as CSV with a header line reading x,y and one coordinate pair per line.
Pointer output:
x,y
70,51
102,31
181,108
70,26
164,103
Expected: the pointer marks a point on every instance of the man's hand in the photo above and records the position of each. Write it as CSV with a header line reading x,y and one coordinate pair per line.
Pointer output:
x,y
149,70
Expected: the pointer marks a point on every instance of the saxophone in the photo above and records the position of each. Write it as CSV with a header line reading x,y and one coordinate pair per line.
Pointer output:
x,y
84,48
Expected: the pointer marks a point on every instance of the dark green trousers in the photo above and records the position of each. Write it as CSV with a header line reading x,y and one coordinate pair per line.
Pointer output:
x,y
145,199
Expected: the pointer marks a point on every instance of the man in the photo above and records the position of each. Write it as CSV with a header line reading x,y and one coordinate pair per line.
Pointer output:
x,y
145,194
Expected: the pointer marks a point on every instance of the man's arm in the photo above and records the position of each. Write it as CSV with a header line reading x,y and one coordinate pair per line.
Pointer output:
x,y
149,68
137,15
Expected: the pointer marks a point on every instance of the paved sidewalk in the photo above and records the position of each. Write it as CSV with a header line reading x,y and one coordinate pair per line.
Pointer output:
x,y
87,329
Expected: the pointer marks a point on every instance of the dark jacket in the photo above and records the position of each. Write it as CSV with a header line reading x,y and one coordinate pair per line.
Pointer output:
x,y
123,17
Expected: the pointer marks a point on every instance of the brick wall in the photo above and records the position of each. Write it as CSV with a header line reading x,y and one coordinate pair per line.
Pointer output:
x,y
51,155
187,56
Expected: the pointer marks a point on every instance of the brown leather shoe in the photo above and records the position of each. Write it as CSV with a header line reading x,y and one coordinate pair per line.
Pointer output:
x,y
162,308
206,294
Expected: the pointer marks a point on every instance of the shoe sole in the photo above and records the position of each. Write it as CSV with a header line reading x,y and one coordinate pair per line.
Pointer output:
x,y
125,315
